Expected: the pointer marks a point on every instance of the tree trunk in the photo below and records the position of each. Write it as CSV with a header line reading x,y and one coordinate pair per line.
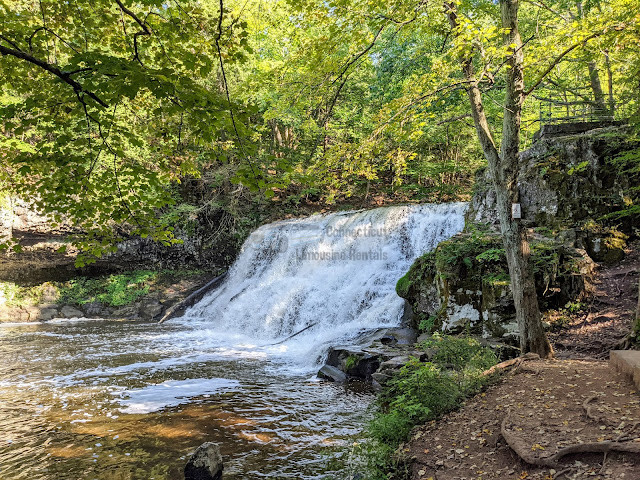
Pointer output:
x,y
596,86
503,168
612,103
532,336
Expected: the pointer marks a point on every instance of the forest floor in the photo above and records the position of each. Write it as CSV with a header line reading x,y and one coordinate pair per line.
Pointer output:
x,y
544,406
608,315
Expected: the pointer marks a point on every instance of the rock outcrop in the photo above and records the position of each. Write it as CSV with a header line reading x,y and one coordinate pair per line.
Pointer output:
x,y
569,187
563,182
463,285
372,357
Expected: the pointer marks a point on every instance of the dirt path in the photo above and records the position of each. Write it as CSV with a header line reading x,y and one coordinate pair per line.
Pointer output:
x,y
549,405
608,317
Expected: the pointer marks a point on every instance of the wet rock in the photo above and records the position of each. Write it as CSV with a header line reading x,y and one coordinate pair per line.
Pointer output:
x,y
95,309
47,314
150,308
388,340
327,372
68,311
128,311
354,361
380,379
402,336
205,463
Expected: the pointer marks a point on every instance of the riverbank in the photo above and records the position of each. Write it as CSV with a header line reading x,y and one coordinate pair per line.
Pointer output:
x,y
133,295
545,406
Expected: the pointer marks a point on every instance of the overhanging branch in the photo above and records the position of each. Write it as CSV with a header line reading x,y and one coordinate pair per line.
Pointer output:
x,y
146,31
64,76
558,59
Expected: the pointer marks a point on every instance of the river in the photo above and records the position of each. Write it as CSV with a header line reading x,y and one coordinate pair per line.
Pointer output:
x,y
122,400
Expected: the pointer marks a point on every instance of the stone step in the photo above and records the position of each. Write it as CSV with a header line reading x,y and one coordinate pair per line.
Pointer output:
x,y
628,363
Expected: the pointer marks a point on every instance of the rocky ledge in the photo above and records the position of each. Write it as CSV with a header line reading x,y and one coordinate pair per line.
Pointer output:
x,y
45,302
375,355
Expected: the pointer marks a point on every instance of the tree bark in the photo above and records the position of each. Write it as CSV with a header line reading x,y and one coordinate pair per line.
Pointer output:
x,y
516,244
503,169
596,87
612,103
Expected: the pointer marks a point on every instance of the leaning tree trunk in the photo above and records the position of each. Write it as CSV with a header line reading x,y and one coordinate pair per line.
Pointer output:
x,y
503,169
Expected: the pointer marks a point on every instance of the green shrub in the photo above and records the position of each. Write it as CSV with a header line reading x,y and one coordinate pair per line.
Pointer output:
x,y
460,352
21,296
422,391
427,325
115,290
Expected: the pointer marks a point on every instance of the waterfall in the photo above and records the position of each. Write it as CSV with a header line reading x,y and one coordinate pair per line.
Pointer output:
x,y
335,274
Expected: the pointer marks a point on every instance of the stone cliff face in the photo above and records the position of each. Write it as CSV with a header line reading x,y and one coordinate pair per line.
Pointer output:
x,y
563,181
567,184
463,285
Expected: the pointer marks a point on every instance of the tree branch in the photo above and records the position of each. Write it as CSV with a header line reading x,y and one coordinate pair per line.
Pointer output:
x,y
226,89
64,76
146,31
359,55
558,59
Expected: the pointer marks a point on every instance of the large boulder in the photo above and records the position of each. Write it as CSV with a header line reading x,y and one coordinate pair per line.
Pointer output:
x,y
353,361
606,245
205,463
463,285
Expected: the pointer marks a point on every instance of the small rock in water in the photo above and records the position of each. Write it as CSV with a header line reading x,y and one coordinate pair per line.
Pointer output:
x,y
205,463
328,372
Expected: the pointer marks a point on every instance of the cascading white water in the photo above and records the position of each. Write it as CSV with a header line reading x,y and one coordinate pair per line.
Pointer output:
x,y
336,273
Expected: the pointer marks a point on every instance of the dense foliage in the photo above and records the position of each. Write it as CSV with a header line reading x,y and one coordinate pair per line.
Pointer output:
x,y
423,391
108,105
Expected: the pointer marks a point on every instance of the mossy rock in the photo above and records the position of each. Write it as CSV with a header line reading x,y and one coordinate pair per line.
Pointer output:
x,y
464,283
605,245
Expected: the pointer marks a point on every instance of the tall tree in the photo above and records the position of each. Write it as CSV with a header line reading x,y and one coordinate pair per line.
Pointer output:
x,y
107,103
503,168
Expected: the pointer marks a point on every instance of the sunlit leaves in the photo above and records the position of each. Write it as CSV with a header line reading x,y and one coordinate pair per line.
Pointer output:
x,y
107,170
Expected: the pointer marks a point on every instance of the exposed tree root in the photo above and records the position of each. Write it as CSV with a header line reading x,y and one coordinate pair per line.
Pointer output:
x,y
523,449
508,364
627,343
587,408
